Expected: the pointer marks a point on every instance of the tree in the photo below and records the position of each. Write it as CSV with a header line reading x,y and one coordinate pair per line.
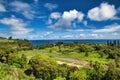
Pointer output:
x,y
8,50
59,45
2,56
86,54
43,67
97,72
117,62
10,38
112,73
18,62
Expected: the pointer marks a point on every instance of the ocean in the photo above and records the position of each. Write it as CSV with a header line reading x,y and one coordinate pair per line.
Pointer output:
x,y
39,42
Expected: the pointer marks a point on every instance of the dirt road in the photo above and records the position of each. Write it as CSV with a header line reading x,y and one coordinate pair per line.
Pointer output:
x,y
72,62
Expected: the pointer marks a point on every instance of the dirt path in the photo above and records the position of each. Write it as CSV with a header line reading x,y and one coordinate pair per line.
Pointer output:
x,y
72,62
68,61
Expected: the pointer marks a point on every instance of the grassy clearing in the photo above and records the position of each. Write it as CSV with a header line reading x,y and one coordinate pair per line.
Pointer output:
x,y
6,40
93,56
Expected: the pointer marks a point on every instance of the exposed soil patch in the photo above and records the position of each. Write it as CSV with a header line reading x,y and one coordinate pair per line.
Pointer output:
x,y
72,62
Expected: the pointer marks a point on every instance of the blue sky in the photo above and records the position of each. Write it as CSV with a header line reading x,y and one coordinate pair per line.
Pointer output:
x,y
60,19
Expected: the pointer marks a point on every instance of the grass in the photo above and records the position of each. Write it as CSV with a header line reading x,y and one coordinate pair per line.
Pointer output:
x,y
6,40
93,56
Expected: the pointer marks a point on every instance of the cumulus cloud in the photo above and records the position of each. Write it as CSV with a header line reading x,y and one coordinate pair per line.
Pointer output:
x,y
51,6
67,19
104,12
2,8
18,26
24,8
109,28
55,15
80,16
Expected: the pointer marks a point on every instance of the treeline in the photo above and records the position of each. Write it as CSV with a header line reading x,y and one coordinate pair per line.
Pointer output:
x,y
111,49
11,65
9,48
113,43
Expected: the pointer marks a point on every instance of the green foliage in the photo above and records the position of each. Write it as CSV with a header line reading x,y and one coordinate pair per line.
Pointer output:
x,y
97,73
78,75
18,62
43,46
117,62
43,67
23,44
60,78
8,72
19,58
10,38
112,73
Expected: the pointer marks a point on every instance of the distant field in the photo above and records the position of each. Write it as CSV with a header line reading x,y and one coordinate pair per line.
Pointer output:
x,y
93,56
6,40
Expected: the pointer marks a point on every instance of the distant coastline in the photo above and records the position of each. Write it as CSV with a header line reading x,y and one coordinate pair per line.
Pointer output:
x,y
39,42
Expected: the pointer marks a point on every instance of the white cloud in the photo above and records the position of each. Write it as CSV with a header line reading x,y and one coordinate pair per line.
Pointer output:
x,y
80,16
55,15
48,33
68,36
2,8
23,8
71,15
82,35
93,35
115,18
67,18
109,28
18,27
49,21
104,12
115,34
51,6
98,36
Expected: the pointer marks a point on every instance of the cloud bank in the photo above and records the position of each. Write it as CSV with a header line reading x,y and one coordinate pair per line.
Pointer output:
x,y
18,26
